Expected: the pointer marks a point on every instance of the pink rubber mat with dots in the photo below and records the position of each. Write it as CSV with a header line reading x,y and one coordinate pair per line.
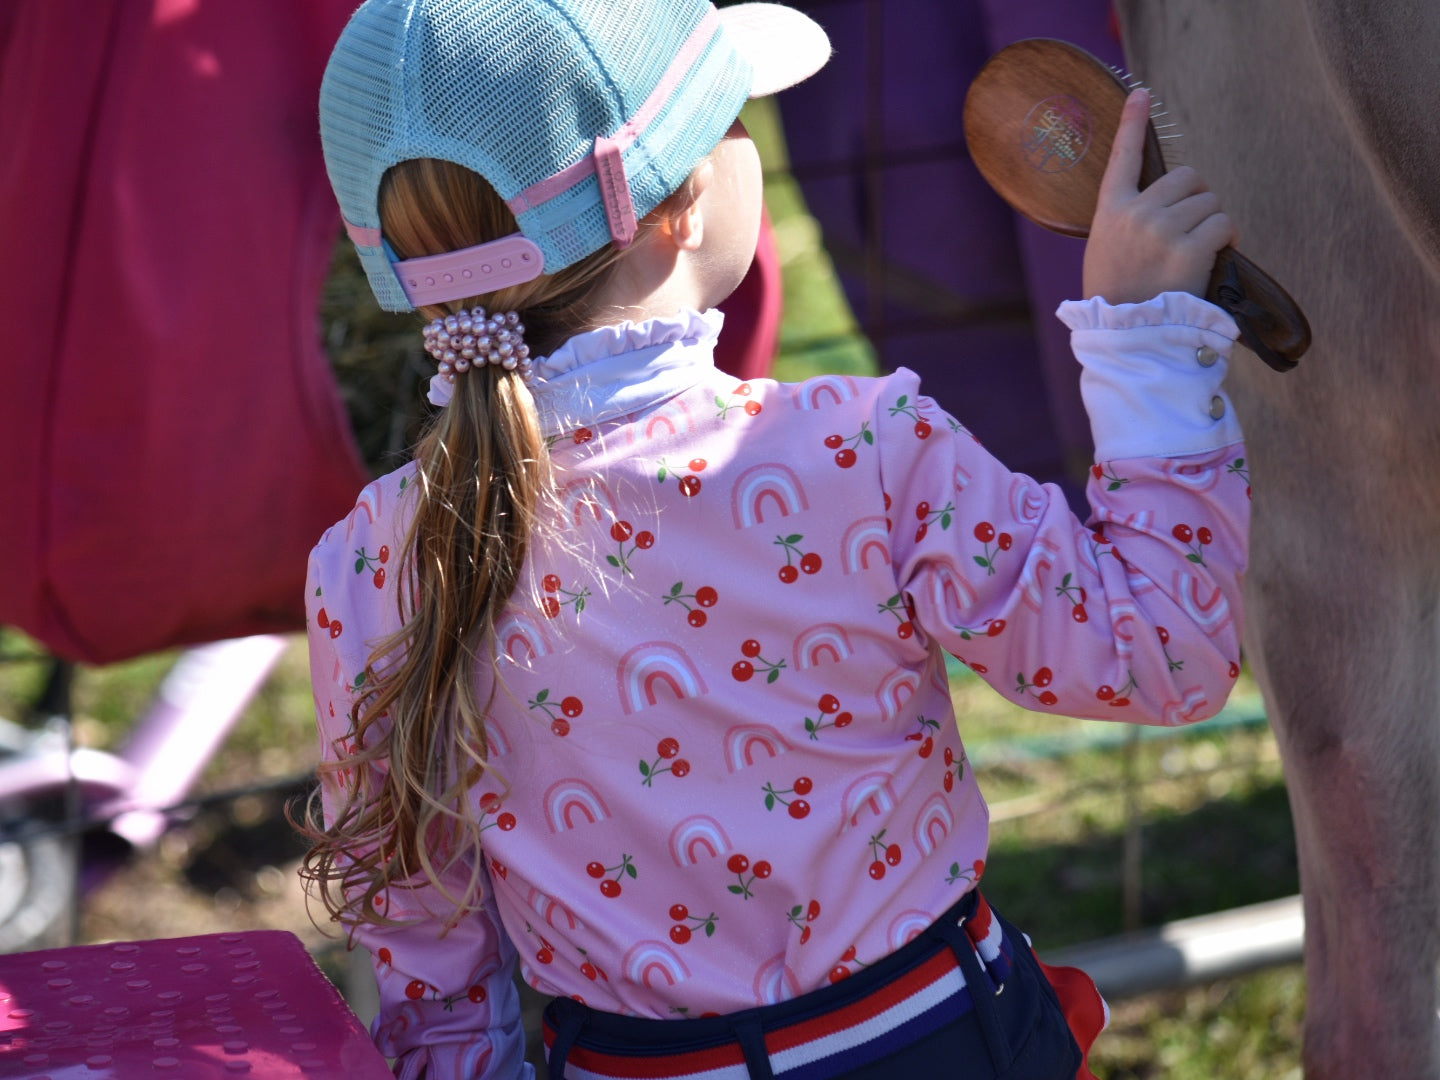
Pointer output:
x,y
218,1005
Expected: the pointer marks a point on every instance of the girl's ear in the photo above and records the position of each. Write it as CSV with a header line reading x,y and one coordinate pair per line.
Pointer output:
x,y
686,224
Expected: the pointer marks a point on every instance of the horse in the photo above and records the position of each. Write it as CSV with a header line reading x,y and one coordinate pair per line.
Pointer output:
x,y
1301,115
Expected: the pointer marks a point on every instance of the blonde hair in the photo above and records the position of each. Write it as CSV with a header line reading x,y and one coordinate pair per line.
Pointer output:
x,y
482,476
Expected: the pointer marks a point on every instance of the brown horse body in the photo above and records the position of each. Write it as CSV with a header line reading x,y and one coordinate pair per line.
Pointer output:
x,y
1311,119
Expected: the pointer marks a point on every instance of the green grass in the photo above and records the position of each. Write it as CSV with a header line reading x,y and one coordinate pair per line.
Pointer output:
x,y
1235,1029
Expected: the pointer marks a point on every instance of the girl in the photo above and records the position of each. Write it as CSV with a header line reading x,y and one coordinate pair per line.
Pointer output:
x,y
635,674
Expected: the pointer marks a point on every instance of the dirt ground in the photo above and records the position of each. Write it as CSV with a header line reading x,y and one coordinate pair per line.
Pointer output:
x,y
230,867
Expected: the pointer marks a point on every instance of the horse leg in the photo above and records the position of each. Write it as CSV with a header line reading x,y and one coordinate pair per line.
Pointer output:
x,y
1347,663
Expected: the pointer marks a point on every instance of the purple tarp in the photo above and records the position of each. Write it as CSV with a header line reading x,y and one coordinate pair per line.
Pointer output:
x,y
941,274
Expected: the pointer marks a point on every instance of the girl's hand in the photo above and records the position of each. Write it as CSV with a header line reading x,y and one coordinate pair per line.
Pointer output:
x,y
1162,239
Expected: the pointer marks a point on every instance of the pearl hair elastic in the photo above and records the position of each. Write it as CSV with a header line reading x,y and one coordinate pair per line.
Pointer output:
x,y
471,338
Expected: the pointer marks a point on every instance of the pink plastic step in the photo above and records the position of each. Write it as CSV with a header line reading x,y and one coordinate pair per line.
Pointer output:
x,y
215,1006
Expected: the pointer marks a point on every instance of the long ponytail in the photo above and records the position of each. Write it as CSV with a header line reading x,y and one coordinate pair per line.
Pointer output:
x,y
399,805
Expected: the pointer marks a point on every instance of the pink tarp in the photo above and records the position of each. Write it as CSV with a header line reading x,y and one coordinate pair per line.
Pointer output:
x,y
175,440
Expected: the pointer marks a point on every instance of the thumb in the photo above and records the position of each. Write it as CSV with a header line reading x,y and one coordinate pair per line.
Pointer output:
x,y
1122,172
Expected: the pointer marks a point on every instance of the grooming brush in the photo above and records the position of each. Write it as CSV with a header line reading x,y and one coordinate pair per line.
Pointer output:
x,y
1039,120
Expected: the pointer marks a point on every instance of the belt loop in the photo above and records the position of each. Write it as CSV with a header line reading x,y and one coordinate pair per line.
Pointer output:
x,y
568,1021
981,996
752,1043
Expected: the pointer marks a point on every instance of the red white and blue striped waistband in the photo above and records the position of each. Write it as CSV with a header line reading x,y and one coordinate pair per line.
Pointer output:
x,y
874,1023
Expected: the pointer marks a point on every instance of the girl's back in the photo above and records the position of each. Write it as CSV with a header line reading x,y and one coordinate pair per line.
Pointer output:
x,y
724,767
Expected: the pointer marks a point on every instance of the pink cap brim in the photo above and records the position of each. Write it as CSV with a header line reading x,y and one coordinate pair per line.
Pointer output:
x,y
783,45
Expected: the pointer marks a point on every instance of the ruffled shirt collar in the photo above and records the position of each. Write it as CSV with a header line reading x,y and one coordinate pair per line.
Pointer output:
x,y
624,368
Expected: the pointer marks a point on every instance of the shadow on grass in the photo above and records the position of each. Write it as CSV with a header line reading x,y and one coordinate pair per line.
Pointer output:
x,y
1227,853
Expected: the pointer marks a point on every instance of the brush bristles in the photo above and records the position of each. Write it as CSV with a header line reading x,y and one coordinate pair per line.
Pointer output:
x,y
1163,131
1133,83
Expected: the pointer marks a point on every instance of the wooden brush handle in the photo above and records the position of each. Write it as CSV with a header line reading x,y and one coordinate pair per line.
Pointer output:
x,y
1272,326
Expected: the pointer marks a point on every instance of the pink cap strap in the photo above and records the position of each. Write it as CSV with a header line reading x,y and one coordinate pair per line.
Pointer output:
x,y
472,271
615,191
607,161
361,236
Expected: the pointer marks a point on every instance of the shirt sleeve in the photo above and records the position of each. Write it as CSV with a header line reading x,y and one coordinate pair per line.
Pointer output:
x,y
1134,615
449,1007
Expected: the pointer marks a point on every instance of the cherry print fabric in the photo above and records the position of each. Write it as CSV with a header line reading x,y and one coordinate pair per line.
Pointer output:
x,y
725,767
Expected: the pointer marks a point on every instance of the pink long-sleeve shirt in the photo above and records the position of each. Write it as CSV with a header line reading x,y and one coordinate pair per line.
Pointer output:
x,y
725,767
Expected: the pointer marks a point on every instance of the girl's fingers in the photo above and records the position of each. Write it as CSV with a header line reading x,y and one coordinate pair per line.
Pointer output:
x,y
1178,184
1122,171
1216,232
1187,214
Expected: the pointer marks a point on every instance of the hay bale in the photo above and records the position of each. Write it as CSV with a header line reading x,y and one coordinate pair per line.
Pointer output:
x,y
378,362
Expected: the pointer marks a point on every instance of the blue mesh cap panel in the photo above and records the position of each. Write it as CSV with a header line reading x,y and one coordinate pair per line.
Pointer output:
x,y
518,90
358,117
515,99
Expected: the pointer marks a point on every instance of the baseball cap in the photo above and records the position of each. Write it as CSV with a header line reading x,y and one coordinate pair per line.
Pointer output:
x,y
582,114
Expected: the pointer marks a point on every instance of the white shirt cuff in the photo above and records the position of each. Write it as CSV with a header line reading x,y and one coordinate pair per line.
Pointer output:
x,y
1152,374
